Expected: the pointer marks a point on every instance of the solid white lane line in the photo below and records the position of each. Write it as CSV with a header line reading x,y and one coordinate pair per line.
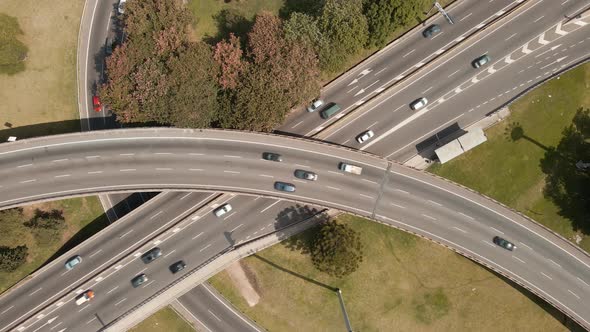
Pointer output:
x,y
155,215
205,247
233,229
214,315
230,215
196,236
116,304
84,307
149,283
268,207
546,276
518,259
574,294
58,324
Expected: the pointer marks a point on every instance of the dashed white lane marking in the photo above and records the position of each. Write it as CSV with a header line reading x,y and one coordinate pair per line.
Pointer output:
x,y
424,92
496,230
582,281
233,229
297,124
125,234
402,191
113,289
488,243
126,154
396,205
574,294
552,261
59,160
6,310
95,253
266,175
510,37
231,172
231,156
230,215
90,321
195,169
155,215
185,196
453,73
163,169
196,236
163,153
205,247
170,253
127,170
466,216
546,276
428,217
84,307
56,325
366,196
212,314
62,176
268,207
537,20
435,203
116,304
333,188
460,230
196,154
90,157
94,172
27,181
405,55
466,16
518,259
334,172
373,182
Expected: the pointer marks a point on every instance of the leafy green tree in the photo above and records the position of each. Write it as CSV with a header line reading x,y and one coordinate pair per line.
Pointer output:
x,y
379,20
337,249
344,25
12,258
229,56
304,28
52,220
12,51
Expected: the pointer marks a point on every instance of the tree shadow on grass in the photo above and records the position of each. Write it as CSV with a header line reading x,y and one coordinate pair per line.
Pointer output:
x,y
567,184
297,213
293,273
228,21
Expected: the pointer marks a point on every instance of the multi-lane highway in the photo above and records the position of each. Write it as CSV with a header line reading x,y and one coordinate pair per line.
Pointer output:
x,y
546,264
368,79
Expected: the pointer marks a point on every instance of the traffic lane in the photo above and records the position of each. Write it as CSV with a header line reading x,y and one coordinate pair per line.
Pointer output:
x,y
473,103
500,221
454,68
214,312
412,52
97,253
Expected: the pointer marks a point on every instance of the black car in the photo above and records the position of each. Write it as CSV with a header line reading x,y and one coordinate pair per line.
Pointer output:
x,y
504,243
284,186
272,156
177,267
151,255
431,31
138,280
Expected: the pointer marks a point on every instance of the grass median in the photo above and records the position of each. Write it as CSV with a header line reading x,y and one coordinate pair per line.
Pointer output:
x,y
510,171
164,320
405,283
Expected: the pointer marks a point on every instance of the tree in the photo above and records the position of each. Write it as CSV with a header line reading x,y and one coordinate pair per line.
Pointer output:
x,y
337,249
53,220
379,21
304,28
228,55
12,258
344,25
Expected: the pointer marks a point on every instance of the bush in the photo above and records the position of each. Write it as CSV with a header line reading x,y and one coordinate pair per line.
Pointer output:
x,y
337,249
12,258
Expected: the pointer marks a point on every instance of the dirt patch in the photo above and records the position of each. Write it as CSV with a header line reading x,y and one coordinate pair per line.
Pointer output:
x,y
238,276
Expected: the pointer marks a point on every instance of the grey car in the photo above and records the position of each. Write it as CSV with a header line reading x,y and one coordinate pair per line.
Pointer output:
x,y
480,61
138,280
272,156
151,255
284,186
177,267
431,31
305,175
72,262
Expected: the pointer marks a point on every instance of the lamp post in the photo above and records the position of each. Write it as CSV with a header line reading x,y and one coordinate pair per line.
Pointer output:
x,y
346,320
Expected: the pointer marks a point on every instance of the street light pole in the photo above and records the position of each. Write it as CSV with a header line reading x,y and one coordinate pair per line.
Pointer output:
x,y
443,12
346,320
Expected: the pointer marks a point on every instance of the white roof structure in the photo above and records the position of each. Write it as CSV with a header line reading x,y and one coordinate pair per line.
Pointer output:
x,y
460,145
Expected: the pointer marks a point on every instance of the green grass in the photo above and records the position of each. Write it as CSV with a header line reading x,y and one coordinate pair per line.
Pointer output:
x,y
510,171
205,10
405,283
164,320
84,217
46,90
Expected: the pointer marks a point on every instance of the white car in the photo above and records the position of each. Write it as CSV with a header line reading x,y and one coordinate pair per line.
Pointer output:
x,y
419,103
365,136
85,297
315,105
121,7
220,211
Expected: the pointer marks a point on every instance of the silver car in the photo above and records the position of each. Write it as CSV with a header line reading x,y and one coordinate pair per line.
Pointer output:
x,y
315,105
365,136
220,211
480,61
72,262
419,103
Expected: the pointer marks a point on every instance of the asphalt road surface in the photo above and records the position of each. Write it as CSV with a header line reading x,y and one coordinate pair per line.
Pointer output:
x,y
455,217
